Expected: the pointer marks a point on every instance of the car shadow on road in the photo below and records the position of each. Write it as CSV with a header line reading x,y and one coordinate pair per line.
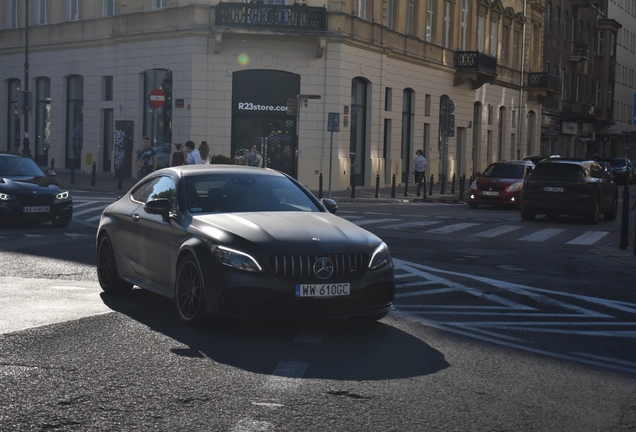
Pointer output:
x,y
333,349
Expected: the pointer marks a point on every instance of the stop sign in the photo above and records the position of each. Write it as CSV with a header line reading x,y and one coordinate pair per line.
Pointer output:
x,y
157,98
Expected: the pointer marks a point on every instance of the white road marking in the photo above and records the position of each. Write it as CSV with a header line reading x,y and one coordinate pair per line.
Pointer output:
x,y
268,404
410,225
99,208
33,235
623,362
373,221
94,218
82,204
452,228
542,235
590,237
497,231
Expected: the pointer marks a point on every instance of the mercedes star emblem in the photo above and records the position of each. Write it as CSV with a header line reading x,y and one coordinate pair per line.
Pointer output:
x,y
323,268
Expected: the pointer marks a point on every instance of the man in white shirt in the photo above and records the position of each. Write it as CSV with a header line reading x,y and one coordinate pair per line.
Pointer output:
x,y
420,169
193,157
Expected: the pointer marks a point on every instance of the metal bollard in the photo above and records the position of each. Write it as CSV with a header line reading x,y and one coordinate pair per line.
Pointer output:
x,y
406,185
442,179
320,186
430,191
377,186
462,186
393,187
93,172
423,185
624,220
72,173
453,183
353,185
53,164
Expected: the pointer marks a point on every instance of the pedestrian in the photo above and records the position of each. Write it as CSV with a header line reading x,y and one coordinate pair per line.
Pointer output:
x,y
192,154
253,158
178,157
145,158
204,152
420,169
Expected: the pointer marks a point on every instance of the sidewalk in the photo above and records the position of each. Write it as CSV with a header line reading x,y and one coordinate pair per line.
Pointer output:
x,y
107,182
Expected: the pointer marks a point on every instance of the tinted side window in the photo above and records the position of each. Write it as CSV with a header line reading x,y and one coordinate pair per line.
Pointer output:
x,y
596,171
142,192
559,170
163,188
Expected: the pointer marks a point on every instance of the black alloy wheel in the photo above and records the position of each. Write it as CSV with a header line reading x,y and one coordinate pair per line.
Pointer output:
x,y
190,293
594,216
107,273
611,214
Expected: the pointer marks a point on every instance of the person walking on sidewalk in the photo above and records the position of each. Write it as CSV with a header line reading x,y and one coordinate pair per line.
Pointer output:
x,y
204,152
178,157
192,155
145,158
420,169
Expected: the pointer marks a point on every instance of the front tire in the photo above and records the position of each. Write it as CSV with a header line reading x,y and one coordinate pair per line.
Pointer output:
x,y
594,216
611,215
189,293
367,319
528,215
107,273
472,205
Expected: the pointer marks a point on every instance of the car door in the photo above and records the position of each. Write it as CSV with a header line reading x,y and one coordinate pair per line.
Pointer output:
x,y
604,185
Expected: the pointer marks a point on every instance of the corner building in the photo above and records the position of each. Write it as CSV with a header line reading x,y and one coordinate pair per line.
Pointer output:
x,y
447,77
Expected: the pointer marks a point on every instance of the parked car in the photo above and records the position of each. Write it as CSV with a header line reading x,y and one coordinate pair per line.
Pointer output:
x,y
164,153
569,186
244,242
607,168
623,170
536,159
499,184
27,194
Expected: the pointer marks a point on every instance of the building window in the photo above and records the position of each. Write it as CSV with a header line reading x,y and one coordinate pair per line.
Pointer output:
x,y
391,13
42,119
600,49
501,140
74,120
612,44
109,8
489,114
107,88
610,95
408,115
494,33
599,94
565,26
427,105
158,4
481,33
358,131
515,49
548,17
74,10
388,99
464,26
429,20
13,117
564,89
504,44
447,24
13,12
42,12
558,21
410,14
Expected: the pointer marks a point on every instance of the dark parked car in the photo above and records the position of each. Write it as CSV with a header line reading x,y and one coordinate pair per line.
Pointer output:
x,y
568,186
623,170
27,194
245,242
499,184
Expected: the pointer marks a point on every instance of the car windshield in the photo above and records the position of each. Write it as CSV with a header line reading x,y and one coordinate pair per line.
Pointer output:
x,y
248,192
617,162
16,166
504,171
560,170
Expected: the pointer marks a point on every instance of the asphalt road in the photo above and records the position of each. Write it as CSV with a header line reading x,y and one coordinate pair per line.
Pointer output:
x,y
490,332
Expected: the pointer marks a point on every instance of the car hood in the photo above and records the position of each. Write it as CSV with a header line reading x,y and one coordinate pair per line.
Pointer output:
x,y
24,183
288,229
495,182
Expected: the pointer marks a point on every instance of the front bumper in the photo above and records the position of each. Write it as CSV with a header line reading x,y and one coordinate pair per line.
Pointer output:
x,y
502,198
13,212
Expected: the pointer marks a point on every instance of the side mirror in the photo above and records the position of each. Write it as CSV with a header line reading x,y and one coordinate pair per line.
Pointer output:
x,y
50,173
159,206
330,205
478,174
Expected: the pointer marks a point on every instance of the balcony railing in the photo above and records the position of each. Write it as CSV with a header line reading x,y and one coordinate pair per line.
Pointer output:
x,y
544,80
579,51
271,16
476,60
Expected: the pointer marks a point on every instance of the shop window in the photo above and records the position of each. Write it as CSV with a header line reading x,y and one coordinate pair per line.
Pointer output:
x,y
42,119
358,133
74,120
408,115
13,116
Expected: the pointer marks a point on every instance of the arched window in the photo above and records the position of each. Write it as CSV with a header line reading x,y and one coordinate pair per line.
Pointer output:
x,y
408,115
42,119
13,116
358,137
157,122
74,120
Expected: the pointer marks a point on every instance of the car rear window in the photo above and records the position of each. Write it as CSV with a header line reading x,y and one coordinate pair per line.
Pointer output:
x,y
15,166
559,170
504,171
617,162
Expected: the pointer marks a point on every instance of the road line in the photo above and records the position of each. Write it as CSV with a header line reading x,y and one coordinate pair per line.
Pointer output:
x,y
609,359
412,284
99,208
373,221
452,228
542,235
590,237
497,231
82,204
94,218
427,292
410,225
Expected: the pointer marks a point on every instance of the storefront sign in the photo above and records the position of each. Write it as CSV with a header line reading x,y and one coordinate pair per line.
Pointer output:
x,y
585,138
569,128
264,92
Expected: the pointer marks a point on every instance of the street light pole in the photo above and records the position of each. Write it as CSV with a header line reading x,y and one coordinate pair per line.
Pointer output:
x,y
25,144
523,65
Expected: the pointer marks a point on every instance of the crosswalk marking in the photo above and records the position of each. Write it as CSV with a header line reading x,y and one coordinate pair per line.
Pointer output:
x,y
542,235
372,221
590,237
452,228
504,229
410,225
90,210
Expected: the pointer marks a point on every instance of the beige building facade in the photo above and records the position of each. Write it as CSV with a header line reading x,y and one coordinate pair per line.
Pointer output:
x,y
385,67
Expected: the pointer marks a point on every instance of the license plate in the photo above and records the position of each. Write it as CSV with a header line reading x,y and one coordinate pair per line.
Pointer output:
x,y
39,209
490,193
322,290
553,189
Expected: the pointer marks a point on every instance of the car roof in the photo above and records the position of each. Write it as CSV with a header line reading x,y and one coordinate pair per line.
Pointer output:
x,y
195,170
13,154
513,162
572,161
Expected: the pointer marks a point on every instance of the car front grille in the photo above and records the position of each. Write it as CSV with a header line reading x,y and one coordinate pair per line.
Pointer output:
x,y
300,267
31,199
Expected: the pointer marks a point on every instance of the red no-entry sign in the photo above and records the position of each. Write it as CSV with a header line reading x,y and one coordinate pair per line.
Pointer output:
x,y
157,98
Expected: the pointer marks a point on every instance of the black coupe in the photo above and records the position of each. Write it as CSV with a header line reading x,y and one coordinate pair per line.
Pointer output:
x,y
243,242
27,194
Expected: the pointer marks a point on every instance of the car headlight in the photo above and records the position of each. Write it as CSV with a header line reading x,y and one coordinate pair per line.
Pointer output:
x,y
514,187
380,257
62,196
473,185
5,197
235,258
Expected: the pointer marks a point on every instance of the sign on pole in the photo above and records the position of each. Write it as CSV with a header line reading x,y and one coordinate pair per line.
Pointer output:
x,y
333,124
157,98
